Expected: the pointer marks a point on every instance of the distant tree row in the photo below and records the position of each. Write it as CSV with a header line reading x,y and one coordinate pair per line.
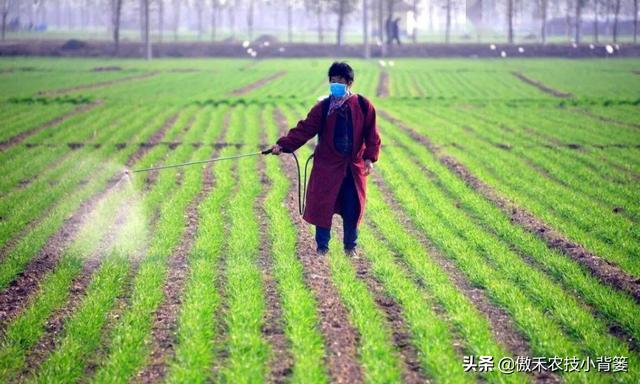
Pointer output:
x,y
368,17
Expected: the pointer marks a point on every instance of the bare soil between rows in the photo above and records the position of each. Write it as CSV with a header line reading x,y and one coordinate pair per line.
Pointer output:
x,y
341,339
411,369
502,327
165,323
281,361
382,89
17,139
101,84
541,86
54,326
14,298
260,83
601,268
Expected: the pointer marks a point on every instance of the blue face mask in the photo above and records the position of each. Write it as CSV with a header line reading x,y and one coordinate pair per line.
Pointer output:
x,y
338,89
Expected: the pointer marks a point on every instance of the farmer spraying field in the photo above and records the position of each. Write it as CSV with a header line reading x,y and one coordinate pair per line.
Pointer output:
x,y
348,145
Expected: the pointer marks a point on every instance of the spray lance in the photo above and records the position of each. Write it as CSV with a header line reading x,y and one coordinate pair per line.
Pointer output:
x,y
302,186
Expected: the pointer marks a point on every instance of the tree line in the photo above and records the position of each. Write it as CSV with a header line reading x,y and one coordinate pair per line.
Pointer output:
x,y
368,17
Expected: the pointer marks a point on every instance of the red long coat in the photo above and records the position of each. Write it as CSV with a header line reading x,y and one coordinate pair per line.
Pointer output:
x,y
329,166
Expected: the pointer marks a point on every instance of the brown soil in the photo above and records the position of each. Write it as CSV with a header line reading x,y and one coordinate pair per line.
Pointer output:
x,y
151,176
165,322
16,296
153,140
6,248
281,361
544,88
500,323
123,301
110,68
260,83
603,269
54,326
58,120
166,319
383,84
411,370
608,119
340,338
101,84
221,332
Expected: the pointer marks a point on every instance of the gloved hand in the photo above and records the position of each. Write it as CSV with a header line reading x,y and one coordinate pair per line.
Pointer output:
x,y
368,167
276,149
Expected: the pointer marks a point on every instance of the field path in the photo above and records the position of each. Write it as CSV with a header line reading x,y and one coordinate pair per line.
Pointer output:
x,y
255,85
340,337
101,84
411,370
55,324
165,322
605,271
544,88
281,361
383,84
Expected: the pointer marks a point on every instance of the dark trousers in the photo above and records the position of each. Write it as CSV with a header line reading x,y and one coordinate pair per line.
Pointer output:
x,y
350,209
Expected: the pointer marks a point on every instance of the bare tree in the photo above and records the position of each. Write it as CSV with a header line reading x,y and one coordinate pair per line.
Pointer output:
x,y
365,28
215,7
635,21
596,20
290,21
431,11
146,22
176,18
116,14
199,6
616,15
447,31
543,6
250,19
578,19
4,8
160,19
231,9
381,21
342,8
318,8
414,33
569,9
510,20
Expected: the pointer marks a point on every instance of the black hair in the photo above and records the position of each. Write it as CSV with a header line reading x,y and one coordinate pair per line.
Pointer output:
x,y
341,69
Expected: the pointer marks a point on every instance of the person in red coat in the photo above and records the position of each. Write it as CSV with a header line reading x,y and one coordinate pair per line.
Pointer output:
x,y
348,145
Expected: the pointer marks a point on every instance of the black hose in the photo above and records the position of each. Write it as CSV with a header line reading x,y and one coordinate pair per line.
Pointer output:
x,y
302,185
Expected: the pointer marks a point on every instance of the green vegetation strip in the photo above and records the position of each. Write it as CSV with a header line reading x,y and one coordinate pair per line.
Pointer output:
x,y
128,349
29,245
617,306
430,333
478,254
298,302
27,328
246,347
